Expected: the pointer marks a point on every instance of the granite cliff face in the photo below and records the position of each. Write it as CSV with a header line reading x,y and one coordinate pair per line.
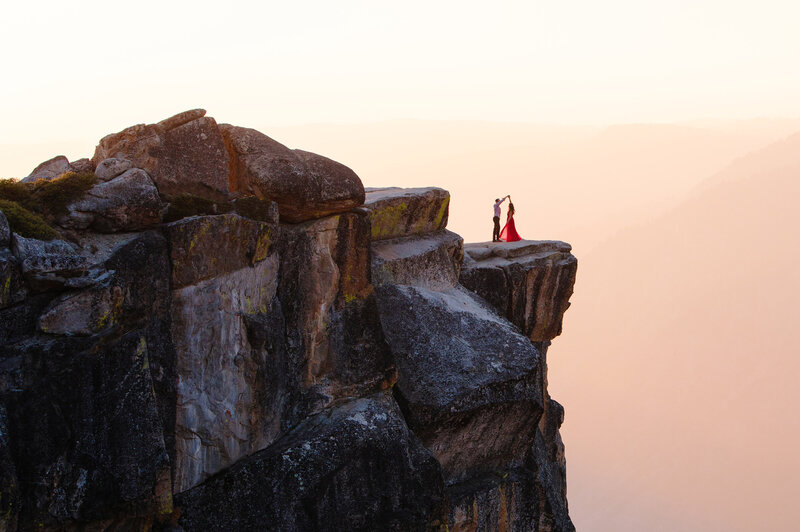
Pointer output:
x,y
227,334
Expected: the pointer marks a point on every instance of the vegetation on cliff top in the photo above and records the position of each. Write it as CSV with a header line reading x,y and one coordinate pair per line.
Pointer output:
x,y
26,223
28,205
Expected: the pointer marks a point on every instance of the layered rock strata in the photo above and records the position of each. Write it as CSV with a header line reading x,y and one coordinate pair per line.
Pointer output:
x,y
290,361
528,282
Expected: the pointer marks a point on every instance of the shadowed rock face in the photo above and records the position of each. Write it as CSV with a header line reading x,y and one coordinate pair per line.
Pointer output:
x,y
501,501
355,467
12,285
529,282
5,231
87,416
229,371
9,485
467,383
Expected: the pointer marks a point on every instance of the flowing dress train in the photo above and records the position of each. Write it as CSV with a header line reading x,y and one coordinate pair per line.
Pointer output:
x,y
509,231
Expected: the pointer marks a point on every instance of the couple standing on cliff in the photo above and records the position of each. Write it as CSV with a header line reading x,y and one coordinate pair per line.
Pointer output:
x,y
509,231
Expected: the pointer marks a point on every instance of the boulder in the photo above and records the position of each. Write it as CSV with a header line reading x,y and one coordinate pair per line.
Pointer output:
x,y
5,231
108,169
467,380
432,261
397,212
203,247
129,202
85,313
355,467
54,264
181,118
304,185
49,169
184,154
81,166
528,282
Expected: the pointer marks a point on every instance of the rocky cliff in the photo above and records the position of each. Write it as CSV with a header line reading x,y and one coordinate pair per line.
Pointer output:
x,y
203,329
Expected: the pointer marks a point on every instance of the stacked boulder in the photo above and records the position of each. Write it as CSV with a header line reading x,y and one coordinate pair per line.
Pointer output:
x,y
226,335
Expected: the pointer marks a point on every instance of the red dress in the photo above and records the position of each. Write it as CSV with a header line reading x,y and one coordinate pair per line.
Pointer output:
x,y
509,232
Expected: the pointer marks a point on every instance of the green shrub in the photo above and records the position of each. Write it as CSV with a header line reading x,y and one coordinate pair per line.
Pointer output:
x,y
52,197
47,197
17,192
26,223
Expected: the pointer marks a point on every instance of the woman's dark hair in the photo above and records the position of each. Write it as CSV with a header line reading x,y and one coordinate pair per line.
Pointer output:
x,y
511,208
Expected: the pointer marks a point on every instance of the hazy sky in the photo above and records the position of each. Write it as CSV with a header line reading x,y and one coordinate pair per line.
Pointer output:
x,y
79,70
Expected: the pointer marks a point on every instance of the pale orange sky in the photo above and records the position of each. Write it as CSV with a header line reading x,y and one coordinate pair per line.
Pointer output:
x,y
75,71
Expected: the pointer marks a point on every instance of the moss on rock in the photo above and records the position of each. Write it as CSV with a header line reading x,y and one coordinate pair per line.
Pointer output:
x,y
52,197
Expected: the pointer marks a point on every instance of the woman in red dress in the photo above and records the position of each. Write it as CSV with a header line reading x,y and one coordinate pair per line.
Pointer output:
x,y
509,231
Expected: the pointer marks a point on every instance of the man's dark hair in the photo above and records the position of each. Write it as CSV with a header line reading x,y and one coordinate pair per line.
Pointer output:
x,y
496,200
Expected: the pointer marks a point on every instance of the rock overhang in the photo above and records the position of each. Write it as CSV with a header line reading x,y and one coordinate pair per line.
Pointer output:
x,y
398,212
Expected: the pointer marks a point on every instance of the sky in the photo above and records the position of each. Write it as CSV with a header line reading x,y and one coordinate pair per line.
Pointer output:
x,y
75,71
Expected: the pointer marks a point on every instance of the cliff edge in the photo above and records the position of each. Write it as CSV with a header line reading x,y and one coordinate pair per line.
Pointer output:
x,y
203,329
